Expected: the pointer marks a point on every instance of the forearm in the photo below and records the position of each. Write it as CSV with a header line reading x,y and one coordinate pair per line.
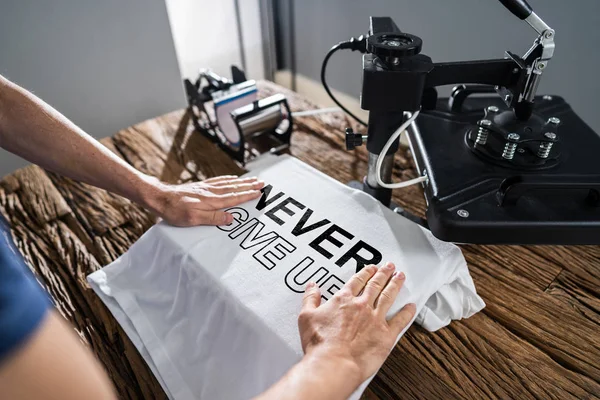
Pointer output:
x,y
35,131
53,364
316,377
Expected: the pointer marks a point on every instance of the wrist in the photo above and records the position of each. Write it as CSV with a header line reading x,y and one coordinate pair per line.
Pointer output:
x,y
334,360
149,192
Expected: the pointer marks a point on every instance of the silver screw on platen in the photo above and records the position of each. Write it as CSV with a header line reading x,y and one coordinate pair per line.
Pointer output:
x,y
511,146
546,146
463,213
483,132
553,120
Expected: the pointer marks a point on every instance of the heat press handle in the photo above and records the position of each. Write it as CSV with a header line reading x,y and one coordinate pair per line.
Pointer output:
x,y
520,8
516,187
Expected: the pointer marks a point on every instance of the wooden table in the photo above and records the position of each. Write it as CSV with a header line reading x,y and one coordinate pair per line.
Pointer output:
x,y
538,337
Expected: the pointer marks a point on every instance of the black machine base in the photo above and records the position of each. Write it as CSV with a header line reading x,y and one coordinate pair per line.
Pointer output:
x,y
474,196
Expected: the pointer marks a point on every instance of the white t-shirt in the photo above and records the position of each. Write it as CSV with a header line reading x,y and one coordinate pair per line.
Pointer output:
x,y
213,310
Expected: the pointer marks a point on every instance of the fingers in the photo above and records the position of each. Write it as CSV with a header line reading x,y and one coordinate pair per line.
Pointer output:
x,y
376,284
312,297
233,199
238,187
399,321
212,218
220,178
389,293
358,281
232,181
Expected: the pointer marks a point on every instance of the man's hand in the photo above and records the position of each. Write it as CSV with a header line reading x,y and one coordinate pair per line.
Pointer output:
x,y
37,132
200,203
351,327
346,340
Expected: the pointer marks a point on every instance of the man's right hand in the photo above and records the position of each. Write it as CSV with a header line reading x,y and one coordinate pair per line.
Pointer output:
x,y
345,340
199,203
352,327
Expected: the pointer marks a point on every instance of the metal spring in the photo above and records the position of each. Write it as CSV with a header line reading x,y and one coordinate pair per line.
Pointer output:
x,y
544,150
509,150
482,136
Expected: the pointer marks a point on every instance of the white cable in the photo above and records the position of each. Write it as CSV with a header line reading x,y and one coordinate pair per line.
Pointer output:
x,y
387,146
315,112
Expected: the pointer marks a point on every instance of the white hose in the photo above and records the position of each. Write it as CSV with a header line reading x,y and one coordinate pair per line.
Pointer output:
x,y
315,112
387,146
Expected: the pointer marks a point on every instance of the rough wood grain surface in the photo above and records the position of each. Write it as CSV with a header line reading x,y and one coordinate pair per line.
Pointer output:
x,y
538,337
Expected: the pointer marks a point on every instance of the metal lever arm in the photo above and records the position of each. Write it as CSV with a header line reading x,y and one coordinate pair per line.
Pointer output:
x,y
537,57
522,10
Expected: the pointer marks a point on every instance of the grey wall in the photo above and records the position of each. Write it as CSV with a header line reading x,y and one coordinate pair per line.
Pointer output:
x,y
455,30
104,64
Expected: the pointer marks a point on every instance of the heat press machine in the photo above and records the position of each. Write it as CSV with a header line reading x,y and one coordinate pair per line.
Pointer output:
x,y
238,118
498,163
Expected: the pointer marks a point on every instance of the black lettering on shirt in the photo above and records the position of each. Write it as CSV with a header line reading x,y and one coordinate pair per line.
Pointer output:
x,y
253,228
240,216
263,202
282,207
277,249
328,236
374,256
300,229
331,286
305,271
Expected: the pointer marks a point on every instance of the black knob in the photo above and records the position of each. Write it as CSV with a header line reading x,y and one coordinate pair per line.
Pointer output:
x,y
353,140
394,45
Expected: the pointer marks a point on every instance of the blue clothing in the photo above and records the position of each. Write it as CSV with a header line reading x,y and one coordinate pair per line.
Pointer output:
x,y
23,303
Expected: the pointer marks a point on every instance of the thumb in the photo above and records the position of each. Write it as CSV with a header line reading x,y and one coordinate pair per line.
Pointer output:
x,y
215,218
312,297
399,321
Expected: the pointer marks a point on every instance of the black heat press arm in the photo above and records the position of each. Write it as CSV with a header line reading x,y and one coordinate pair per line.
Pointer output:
x,y
496,170
396,78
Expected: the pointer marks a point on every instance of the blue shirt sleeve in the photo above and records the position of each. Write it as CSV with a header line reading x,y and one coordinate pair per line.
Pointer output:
x,y
23,303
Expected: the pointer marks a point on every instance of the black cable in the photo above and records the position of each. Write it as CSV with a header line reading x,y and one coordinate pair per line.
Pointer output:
x,y
353,44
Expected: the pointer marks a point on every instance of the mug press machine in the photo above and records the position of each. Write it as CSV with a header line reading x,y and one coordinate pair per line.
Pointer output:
x,y
498,163
239,116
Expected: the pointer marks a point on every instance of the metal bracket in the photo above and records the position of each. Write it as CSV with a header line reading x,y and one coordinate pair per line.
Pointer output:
x,y
537,65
